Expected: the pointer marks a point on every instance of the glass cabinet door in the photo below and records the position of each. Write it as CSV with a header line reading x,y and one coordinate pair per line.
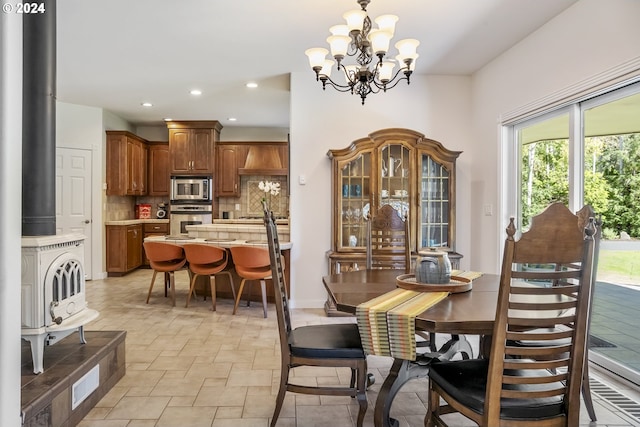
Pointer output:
x,y
435,195
395,173
354,201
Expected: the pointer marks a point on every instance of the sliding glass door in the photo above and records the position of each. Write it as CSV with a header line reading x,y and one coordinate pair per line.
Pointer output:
x,y
589,153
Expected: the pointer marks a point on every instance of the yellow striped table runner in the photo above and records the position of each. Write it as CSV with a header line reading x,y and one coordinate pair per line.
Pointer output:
x,y
387,323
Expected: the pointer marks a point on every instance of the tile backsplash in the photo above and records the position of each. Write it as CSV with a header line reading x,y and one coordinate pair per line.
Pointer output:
x,y
250,200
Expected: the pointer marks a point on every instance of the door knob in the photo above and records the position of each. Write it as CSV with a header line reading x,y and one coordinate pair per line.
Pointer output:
x,y
87,221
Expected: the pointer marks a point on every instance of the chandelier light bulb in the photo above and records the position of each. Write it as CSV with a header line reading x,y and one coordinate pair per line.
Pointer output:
x,y
402,60
339,30
387,23
327,65
407,47
317,56
386,71
339,46
354,19
379,42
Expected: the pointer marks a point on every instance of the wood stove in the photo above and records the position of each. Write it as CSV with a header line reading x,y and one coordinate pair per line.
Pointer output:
x,y
53,292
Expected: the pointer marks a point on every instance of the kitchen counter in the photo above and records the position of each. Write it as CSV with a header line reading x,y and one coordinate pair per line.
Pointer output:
x,y
223,243
237,230
137,221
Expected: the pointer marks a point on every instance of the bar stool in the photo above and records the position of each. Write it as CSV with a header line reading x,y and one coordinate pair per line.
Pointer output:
x,y
207,260
165,258
251,263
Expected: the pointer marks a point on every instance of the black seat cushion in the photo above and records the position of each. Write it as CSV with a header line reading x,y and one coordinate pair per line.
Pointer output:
x,y
466,381
331,341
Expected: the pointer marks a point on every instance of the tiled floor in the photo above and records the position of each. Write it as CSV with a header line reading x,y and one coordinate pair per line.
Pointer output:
x,y
193,367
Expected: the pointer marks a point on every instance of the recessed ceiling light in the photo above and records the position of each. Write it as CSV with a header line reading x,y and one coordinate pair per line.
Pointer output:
x,y
232,119
196,92
147,104
167,119
252,85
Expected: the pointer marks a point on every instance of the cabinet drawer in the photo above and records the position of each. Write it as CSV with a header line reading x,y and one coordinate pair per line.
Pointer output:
x,y
155,228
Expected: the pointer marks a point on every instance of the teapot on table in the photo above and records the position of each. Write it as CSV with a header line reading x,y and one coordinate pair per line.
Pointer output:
x,y
433,267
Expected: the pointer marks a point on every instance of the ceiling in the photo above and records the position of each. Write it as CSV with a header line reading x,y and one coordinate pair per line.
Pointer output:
x,y
117,54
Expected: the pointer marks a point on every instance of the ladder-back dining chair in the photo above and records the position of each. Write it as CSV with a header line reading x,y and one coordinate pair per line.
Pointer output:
x,y
388,242
335,345
529,385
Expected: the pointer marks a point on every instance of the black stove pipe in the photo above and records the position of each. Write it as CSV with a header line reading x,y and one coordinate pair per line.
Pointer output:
x,y
39,122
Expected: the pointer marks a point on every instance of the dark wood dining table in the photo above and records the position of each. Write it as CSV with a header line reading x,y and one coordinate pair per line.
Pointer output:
x,y
472,312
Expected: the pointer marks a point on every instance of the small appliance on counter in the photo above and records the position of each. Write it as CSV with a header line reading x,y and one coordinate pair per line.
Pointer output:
x,y
162,211
143,211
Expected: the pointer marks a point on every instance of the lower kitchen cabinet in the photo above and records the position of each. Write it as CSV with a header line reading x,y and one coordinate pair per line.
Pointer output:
x,y
124,248
151,230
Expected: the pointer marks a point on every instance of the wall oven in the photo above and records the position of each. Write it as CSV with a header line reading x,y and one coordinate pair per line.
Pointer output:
x,y
191,189
182,215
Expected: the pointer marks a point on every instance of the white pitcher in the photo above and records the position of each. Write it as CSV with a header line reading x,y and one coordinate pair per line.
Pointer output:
x,y
394,164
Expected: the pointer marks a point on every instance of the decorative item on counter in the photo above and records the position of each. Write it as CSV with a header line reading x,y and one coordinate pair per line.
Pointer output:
x,y
161,213
143,211
271,189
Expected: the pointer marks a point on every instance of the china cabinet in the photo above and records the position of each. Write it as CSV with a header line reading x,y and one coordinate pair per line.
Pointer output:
x,y
402,168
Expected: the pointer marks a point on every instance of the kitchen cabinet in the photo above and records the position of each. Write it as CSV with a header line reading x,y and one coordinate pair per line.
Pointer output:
x,y
192,145
151,230
400,167
126,164
124,248
158,169
229,158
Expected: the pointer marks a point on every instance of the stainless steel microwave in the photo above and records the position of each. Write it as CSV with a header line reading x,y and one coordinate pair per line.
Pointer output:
x,y
191,189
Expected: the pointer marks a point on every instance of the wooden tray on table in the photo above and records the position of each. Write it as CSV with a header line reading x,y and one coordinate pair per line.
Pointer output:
x,y
455,285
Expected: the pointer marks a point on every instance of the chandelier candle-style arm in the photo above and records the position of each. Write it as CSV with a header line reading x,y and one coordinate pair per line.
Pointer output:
x,y
368,47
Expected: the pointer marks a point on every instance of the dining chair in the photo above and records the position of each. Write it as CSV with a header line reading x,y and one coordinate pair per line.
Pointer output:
x,y
335,345
522,385
388,242
252,264
164,258
207,260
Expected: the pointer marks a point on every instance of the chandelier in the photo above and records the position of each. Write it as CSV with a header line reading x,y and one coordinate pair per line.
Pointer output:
x,y
369,47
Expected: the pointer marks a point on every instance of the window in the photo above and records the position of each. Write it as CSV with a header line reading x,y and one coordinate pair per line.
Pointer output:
x,y
588,152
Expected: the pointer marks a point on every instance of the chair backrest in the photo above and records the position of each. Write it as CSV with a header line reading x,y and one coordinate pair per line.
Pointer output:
x,y
388,240
204,254
279,285
162,252
249,257
554,313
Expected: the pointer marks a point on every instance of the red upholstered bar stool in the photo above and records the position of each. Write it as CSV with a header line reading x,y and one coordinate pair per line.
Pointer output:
x,y
207,260
252,264
164,258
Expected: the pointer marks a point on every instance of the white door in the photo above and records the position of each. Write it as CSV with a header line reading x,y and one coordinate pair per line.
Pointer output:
x,y
73,196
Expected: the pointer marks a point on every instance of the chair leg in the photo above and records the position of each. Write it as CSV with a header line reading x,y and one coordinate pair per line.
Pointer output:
x,y
284,379
586,392
153,279
361,393
239,295
194,276
263,289
172,285
212,285
233,288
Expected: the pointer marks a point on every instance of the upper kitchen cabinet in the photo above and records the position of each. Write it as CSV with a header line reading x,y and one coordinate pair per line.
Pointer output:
x,y
229,158
126,164
402,168
158,169
192,145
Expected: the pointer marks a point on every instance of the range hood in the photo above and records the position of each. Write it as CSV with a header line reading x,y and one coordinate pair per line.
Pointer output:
x,y
264,160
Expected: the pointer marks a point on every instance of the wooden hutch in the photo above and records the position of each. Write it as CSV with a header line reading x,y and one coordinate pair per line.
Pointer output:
x,y
399,167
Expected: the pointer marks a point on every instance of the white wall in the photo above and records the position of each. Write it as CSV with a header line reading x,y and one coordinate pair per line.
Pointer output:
x,y
589,38
79,126
10,217
437,106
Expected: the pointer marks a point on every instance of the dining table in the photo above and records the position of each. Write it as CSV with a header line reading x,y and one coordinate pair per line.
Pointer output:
x,y
471,312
